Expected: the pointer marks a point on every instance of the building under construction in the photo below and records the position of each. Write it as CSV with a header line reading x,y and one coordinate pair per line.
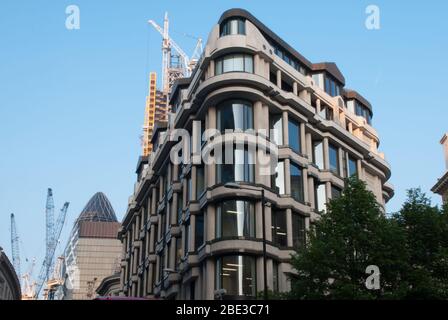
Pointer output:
x,y
156,110
93,250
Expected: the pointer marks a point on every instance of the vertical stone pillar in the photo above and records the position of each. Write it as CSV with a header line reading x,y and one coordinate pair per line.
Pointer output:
x,y
285,128
303,138
287,177
279,79
305,186
210,279
326,154
311,191
309,146
210,222
289,227
294,88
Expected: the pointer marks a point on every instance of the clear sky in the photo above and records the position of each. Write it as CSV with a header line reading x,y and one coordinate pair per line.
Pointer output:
x,y
72,102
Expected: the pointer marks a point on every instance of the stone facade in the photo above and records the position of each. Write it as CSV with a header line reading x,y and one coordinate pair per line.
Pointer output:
x,y
195,231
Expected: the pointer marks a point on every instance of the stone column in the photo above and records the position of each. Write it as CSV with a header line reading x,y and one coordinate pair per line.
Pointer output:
x,y
210,222
289,227
309,146
287,177
311,191
303,139
192,243
210,279
326,154
268,221
294,88
279,79
305,186
285,128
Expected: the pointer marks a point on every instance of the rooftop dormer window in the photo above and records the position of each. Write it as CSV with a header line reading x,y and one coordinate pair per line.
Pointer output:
x,y
331,86
232,26
363,111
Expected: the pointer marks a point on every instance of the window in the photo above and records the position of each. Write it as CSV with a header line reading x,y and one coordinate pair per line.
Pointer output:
x,y
233,26
331,86
335,192
318,154
298,231
238,62
178,252
278,178
241,169
334,159
200,180
187,237
189,188
275,276
294,135
320,195
237,275
279,233
199,231
235,218
161,265
180,207
276,129
363,111
235,115
352,166
296,183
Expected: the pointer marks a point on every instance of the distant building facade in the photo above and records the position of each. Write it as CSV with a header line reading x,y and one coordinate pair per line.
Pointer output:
x,y
110,286
93,251
441,187
9,283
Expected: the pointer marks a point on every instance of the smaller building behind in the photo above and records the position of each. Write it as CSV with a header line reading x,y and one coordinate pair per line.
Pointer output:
x,y
9,283
441,187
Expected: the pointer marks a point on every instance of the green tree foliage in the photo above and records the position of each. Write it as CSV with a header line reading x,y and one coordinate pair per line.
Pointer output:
x,y
410,250
426,229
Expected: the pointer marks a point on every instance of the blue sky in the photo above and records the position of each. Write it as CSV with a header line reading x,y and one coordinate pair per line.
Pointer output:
x,y
72,102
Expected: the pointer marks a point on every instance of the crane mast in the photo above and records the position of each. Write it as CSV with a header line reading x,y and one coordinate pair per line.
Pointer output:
x,y
172,69
53,232
15,246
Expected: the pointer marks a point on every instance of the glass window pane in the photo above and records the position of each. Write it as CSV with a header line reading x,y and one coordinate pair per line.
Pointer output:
x,y
334,159
237,275
296,183
279,233
234,26
199,229
241,26
238,62
321,197
218,67
227,65
298,231
318,154
294,135
235,218
352,167
279,178
276,129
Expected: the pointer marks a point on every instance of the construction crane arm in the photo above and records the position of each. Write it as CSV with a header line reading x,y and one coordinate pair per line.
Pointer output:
x,y
172,42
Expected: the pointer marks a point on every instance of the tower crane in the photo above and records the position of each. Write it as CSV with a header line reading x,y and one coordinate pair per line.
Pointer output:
x,y
170,71
15,246
29,285
53,232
